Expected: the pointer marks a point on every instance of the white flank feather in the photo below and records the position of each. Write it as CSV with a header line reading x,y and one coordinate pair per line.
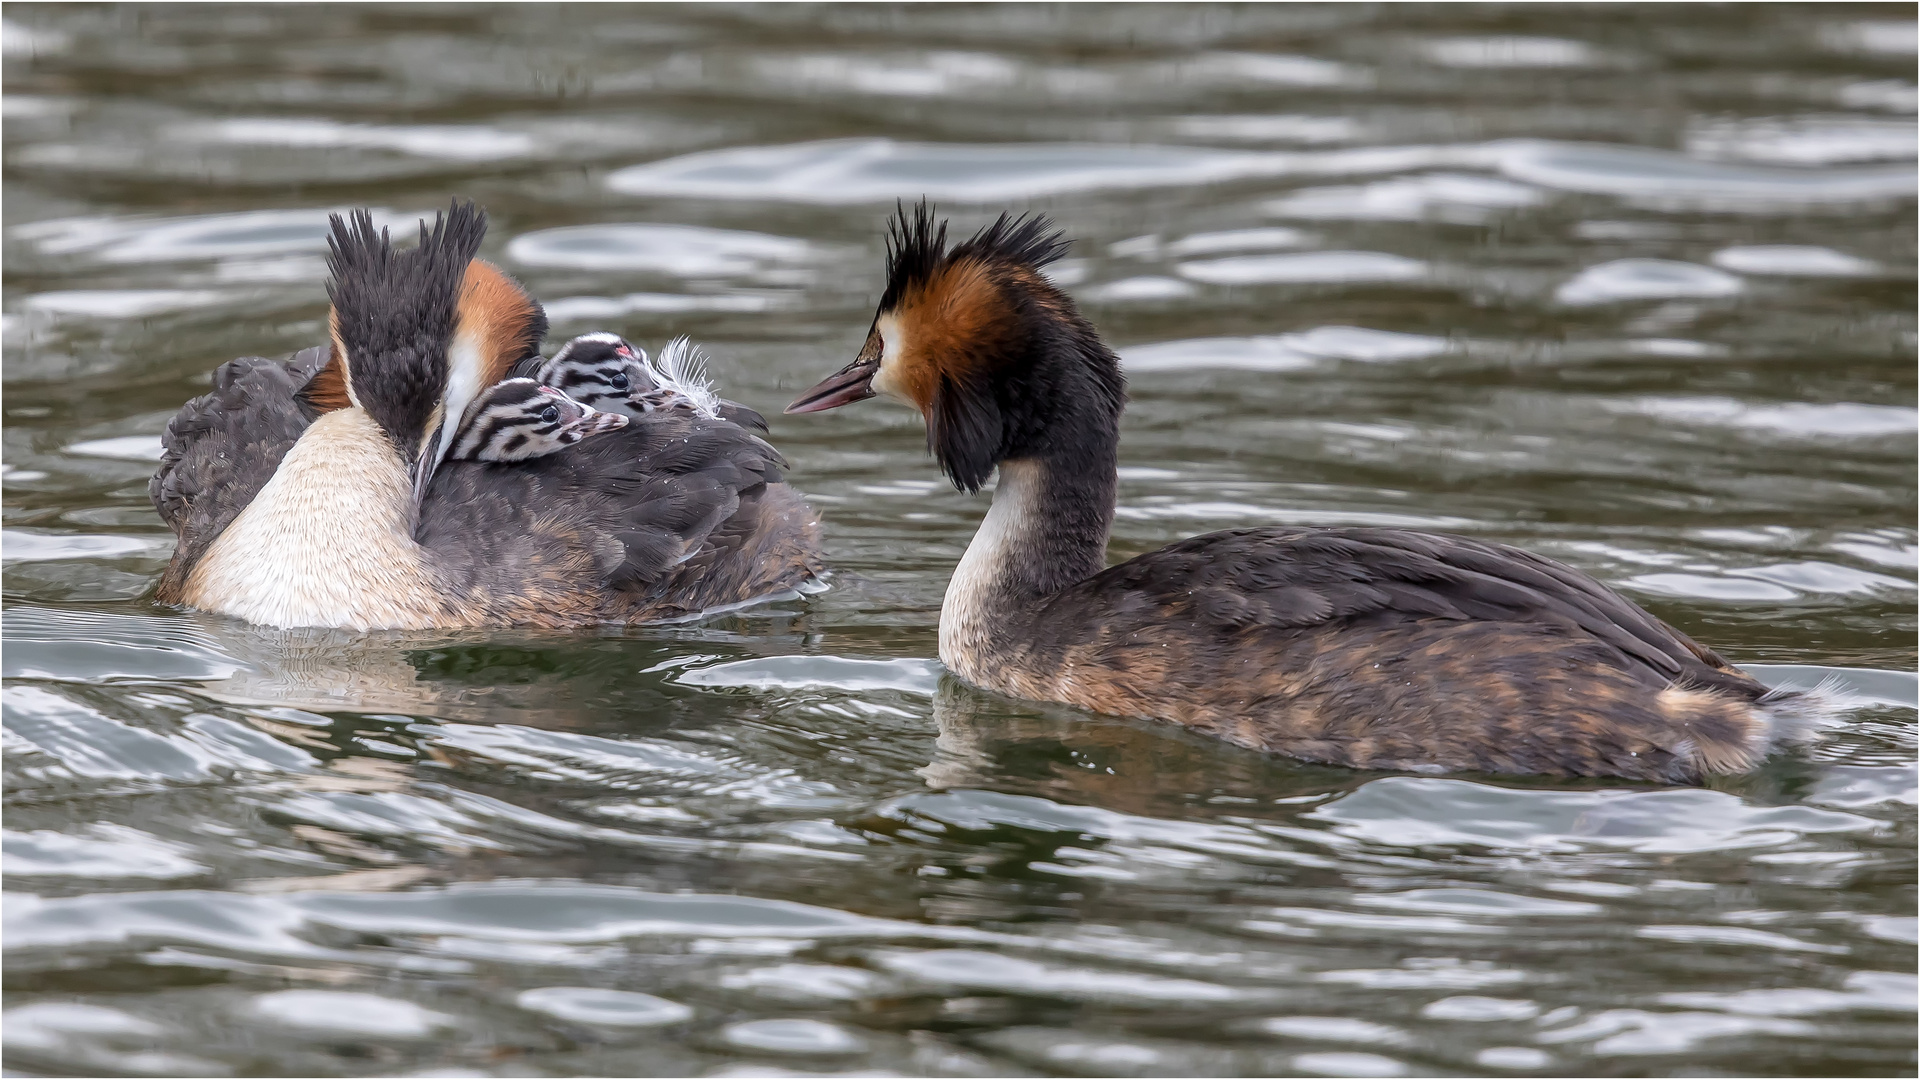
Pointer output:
x,y
682,367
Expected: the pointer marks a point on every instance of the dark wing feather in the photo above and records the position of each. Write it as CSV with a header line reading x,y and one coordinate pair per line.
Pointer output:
x,y
735,413
222,447
673,513
1306,579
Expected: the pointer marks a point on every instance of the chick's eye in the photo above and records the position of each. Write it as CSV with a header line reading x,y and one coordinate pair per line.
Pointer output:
x,y
550,414
619,382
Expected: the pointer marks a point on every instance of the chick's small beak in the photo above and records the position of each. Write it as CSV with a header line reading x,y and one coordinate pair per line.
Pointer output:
x,y
597,423
846,386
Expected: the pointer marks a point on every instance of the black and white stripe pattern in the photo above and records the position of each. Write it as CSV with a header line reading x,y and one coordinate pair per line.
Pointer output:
x,y
600,370
519,419
606,371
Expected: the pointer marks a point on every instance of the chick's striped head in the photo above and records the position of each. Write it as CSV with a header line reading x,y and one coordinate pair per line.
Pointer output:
x,y
601,370
519,419
607,371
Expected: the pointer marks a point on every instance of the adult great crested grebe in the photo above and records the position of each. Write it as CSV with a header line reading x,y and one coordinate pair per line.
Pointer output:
x,y
319,492
1361,647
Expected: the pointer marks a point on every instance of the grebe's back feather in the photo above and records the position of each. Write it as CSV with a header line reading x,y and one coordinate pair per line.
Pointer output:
x,y
681,368
1299,578
675,513
1378,648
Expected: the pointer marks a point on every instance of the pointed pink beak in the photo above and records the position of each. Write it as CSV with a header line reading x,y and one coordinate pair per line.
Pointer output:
x,y
844,387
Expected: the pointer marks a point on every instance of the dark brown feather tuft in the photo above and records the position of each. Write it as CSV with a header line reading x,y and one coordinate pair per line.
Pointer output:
x,y
964,431
1025,240
394,311
915,249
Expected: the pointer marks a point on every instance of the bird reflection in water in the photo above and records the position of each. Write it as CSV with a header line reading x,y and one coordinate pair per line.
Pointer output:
x,y
1131,766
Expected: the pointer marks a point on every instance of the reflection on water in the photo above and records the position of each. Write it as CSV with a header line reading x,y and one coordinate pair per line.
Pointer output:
x,y
1630,287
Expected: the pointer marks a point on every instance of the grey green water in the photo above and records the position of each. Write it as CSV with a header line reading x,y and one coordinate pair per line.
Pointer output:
x,y
1631,287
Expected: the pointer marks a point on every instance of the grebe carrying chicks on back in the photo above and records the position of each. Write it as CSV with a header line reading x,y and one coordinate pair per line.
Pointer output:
x,y
1361,647
400,478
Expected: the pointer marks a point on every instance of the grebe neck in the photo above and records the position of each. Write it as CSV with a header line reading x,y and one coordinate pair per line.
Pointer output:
x,y
1045,531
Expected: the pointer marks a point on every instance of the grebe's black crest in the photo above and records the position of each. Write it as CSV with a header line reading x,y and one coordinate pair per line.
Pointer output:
x,y
394,313
917,247
1028,240
995,357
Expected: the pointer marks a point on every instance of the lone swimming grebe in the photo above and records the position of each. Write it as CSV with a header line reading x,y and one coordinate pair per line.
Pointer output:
x,y
1368,648
323,491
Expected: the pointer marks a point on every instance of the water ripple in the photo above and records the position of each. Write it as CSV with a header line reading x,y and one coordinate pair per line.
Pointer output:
x,y
868,170
682,250
1629,288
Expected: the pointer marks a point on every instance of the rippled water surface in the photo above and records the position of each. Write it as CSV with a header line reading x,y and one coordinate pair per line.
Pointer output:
x,y
1633,288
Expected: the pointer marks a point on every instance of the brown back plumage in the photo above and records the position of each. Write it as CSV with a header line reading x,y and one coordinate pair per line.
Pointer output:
x,y
1381,648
